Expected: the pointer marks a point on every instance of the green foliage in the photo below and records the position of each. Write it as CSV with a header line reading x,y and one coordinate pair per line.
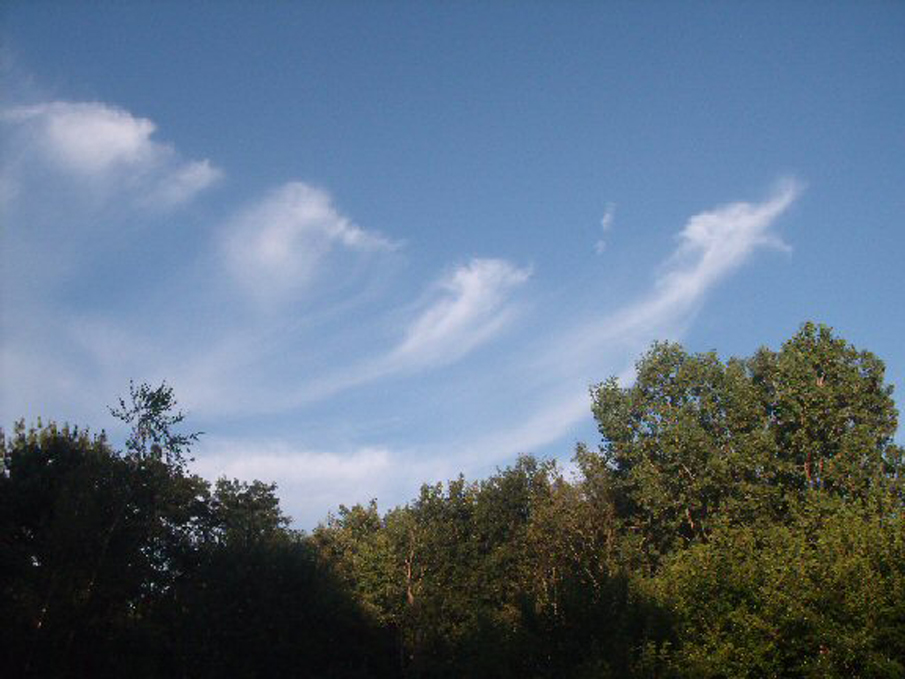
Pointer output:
x,y
90,539
823,596
361,549
245,513
124,565
831,415
152,415
695,441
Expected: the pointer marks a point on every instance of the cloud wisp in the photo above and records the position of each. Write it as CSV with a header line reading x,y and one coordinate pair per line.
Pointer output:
x,y
465,309
276,459
105,150
471,307
716,242
606,224
473,302
711,246
80,183
105,169
309,481
276,247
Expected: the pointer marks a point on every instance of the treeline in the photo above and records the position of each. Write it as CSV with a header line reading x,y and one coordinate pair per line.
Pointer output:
x,y
738,519
123,564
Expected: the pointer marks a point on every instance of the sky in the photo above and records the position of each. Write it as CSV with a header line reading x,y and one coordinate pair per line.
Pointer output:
x,y
372,245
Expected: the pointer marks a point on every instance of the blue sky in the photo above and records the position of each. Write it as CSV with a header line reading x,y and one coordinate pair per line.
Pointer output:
x,y
377,244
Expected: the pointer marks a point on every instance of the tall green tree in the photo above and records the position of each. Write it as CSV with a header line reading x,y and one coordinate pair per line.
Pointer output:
x,y
694,440
820,596
153,417
90,541
830,413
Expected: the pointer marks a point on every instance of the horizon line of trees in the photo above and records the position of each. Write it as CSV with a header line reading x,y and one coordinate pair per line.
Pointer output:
x,y
739,518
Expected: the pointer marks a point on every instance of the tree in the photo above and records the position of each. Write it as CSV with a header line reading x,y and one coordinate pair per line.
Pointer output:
x,y
741,518
830,414
759,501
153,416
363,550
90,541
678,443
821,596
244,513
695,440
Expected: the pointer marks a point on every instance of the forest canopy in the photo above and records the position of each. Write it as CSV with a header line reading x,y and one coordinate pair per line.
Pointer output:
x,y
738,518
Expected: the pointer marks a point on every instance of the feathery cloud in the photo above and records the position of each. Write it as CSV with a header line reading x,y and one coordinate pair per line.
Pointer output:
x,y
106,148
715,242
276,459
471,308
712,245
277,245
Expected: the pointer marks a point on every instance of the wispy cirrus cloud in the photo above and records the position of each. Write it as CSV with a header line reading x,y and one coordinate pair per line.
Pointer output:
x,y
102,148
230,362
715,242
80,185
276,459
464,309
712,245
551,375
309,481
276,246
471,306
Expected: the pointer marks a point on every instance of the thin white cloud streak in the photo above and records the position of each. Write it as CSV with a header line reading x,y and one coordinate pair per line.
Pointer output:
x,y
106,148
87,138
545,426
70,366
276,247
77,181
716,242
280,245
311,483
273,249
468,308
606,224
464,309
712,245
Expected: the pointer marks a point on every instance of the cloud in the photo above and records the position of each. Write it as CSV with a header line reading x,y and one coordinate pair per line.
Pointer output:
x,y
471,307
106,149
309,482
711,246
716,242
182,184
270,460
467,307
233,363
277,245
606,223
